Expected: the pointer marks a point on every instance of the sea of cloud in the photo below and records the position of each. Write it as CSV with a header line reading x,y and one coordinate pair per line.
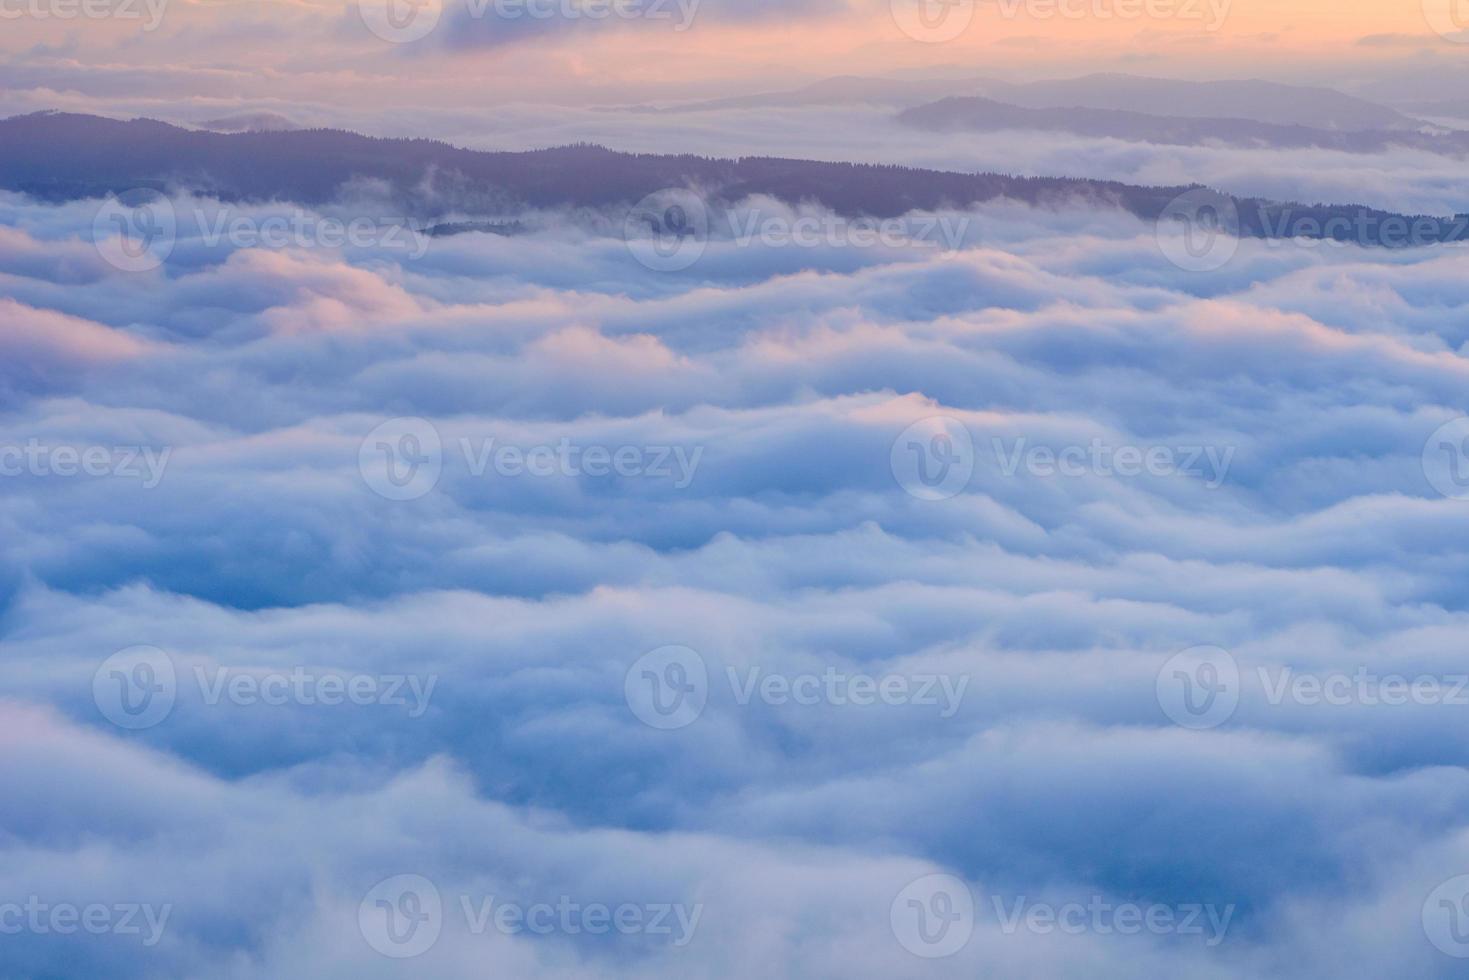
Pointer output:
x,y
811,404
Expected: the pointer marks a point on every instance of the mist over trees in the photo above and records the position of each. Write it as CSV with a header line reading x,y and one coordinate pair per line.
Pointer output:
x,y
61,156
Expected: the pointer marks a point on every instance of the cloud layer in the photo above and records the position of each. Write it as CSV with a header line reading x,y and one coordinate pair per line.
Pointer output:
x,y
1156,460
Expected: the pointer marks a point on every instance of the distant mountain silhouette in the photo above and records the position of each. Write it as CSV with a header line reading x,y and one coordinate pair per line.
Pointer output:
x,y
1262,102
987,115
842,90
1456,110
248,122
60,156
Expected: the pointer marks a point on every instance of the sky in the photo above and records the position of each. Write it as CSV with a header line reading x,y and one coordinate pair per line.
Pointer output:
x,y
1002,591
171,56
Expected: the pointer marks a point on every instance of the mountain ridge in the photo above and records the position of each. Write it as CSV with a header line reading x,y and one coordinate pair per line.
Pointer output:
x,y
64,156
980,114
1262,101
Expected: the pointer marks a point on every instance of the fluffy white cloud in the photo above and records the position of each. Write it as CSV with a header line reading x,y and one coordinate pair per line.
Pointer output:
x,y
1160,460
